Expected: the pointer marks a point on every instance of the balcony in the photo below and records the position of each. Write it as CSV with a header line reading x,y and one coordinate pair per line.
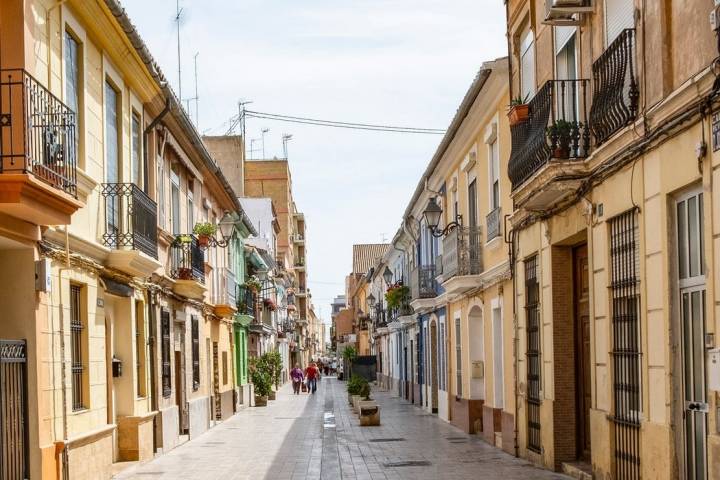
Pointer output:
x,y
299,263
246,299
130,229
226,299
188,267
551,141
462,259
492,224
615,88
38,152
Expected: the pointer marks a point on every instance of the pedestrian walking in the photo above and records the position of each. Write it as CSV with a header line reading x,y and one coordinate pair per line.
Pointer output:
x,y
311,373
296,374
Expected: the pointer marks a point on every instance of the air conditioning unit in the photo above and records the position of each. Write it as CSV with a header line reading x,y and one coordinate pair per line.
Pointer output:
x,y
566,12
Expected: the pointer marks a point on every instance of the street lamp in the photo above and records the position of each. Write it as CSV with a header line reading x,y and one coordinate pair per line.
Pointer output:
x,y
388,276
371,300
432,215
227,227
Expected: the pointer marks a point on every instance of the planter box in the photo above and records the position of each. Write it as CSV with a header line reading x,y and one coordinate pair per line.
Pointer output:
x,y
369,414
356,402
273,395
261,401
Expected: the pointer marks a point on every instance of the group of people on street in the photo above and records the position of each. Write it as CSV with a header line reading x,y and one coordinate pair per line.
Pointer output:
x,y
305,380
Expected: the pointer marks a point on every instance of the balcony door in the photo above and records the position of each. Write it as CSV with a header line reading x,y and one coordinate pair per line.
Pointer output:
x,y
567,101
112,159
692,286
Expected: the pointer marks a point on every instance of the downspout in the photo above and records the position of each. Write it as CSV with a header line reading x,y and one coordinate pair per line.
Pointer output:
x,y
516,338
146,132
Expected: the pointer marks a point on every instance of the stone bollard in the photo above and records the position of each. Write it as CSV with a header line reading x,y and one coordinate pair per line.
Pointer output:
x,y
369,414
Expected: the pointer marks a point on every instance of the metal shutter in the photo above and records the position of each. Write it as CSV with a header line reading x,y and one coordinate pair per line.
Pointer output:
x,y
619,15
562,35
527,65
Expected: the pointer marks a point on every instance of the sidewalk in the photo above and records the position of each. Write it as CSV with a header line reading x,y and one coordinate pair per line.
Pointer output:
x,y
318,437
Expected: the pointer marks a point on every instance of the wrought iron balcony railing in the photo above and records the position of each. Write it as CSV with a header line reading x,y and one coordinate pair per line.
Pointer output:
x,y
462,252
130,218
246,301
422,282
37,132
188,259
557,127
615,88
493,223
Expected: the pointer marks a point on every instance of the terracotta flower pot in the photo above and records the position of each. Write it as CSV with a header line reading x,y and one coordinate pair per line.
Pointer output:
x,y
519,114
184,274
204,240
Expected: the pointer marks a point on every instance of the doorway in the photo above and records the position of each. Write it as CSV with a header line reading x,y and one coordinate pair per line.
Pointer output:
x,y
691,283
433,367
581,290
180,391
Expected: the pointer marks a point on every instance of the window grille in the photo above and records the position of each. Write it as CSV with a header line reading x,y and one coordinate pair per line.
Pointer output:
x,y
76,347
625,344
195,327
165,352
532,313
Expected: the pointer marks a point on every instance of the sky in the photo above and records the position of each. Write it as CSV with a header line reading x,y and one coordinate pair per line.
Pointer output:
x,y
390,62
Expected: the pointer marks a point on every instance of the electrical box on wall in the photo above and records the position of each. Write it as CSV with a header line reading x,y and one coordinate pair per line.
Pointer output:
x,y
43,279
713,369
478,369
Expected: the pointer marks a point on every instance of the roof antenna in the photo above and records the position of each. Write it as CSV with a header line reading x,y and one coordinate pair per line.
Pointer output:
x,y
178,14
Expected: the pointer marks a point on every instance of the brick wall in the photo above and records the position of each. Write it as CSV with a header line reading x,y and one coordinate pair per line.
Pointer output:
x,y
563,328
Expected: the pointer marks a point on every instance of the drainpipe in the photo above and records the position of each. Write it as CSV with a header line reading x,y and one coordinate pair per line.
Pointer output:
x,y
146,132
516,339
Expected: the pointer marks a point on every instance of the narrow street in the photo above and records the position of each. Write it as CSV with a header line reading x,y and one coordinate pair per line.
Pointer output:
x,y
318,436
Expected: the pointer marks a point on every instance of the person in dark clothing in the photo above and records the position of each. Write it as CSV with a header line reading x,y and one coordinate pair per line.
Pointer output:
x,y
296,374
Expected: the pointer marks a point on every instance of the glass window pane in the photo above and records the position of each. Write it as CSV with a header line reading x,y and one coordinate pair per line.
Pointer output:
x,y
136,159
682,239
693,253
687,344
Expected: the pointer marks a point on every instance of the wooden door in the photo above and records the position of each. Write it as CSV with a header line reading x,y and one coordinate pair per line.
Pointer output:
x,y
582,350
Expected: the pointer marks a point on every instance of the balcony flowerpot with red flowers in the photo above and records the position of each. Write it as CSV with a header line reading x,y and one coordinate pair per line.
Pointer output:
x,y
270,304
253,284
184,273
518,111
204,231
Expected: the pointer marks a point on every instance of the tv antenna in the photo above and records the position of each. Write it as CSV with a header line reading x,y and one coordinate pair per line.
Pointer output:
x,y
264,131
285,139
196,98
178,15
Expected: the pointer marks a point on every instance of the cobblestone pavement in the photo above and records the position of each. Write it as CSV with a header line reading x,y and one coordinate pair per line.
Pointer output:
x,y
318,437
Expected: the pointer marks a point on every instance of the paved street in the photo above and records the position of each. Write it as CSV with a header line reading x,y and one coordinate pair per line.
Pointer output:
x,y
318,437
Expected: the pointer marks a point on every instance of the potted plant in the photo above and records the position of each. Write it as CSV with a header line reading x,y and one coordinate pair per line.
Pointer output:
x,y
518,110
253,284
204,230
397,297
560,134
353,387
270,304
184,273
261,380
274,362
349,354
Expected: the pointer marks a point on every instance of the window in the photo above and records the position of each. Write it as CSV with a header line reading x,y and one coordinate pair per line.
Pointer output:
x,y
72,81
190,207
140,347
136,160
112,158
619,15
494,174
77,352
195,334
472,204
527,63
532,313
624,259
566,69
175,202
458,359
161,191
165,352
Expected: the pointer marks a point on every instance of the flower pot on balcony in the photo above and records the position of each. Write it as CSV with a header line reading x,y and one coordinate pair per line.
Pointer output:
x,y
203,240
261,401
562,153
518,113
184,274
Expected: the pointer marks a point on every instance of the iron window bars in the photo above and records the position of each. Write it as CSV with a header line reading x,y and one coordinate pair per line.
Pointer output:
x,y
165,352
532,314
626,344
76,347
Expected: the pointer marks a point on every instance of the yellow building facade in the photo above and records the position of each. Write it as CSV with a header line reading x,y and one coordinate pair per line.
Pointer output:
x,y
613,230
118,320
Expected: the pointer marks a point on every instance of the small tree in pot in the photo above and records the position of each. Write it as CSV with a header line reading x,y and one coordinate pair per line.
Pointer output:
x,y
261,378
